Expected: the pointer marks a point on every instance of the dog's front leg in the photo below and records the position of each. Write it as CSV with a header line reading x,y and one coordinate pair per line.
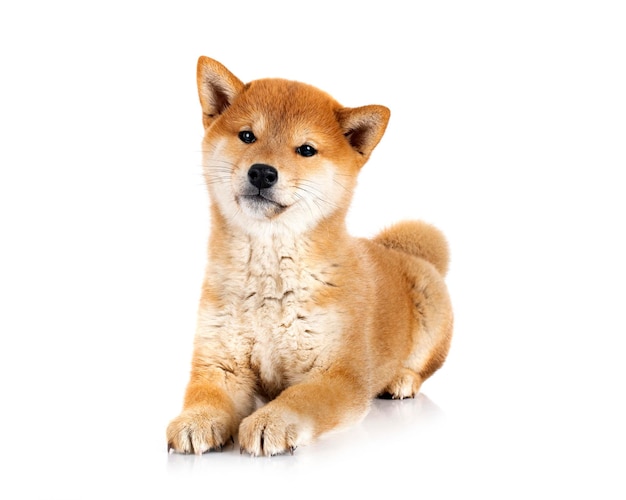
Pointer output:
x,y
302,412
216,400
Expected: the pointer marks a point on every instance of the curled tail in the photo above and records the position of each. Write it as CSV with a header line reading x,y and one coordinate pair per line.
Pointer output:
x,y
419,239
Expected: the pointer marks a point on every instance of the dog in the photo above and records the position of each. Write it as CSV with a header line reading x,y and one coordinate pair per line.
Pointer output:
x,y
300,326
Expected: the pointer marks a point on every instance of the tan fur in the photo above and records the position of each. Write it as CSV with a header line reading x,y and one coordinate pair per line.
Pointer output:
x,y
293,309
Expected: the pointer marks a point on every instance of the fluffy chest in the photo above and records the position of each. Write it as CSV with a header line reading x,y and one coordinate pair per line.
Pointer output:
x,y
269,316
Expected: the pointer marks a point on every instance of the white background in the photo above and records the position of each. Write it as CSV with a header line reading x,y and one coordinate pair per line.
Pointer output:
x,y
508,132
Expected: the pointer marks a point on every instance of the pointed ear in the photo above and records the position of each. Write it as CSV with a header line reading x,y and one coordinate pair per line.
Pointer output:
x,y
364,126
217,88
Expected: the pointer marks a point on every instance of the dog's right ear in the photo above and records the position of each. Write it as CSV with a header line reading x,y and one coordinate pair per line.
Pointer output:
x,y
217,87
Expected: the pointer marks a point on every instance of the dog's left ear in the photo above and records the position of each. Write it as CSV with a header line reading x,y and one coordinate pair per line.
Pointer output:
x,y
217,88
364,126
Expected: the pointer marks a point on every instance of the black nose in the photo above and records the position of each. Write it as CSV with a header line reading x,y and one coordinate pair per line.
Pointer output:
x,y
262,176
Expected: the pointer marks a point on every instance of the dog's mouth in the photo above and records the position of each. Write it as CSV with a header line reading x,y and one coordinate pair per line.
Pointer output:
x,y
260,204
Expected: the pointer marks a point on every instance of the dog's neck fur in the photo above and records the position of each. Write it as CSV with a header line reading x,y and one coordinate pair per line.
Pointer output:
x,y
276,243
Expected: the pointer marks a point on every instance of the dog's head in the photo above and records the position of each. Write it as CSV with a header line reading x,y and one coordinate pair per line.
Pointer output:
x,y
278,153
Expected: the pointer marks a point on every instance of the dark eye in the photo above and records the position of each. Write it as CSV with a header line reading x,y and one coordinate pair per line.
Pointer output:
x,y
306,150
247,136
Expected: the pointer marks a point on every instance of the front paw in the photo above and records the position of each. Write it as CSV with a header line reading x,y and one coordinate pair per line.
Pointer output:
x,y
270,431
198,430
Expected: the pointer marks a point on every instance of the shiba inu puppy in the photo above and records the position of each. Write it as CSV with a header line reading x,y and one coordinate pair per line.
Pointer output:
x,y
293,309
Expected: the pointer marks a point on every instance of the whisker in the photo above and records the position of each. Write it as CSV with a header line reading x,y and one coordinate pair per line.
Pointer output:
x,y
305,200
341,185
318,197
